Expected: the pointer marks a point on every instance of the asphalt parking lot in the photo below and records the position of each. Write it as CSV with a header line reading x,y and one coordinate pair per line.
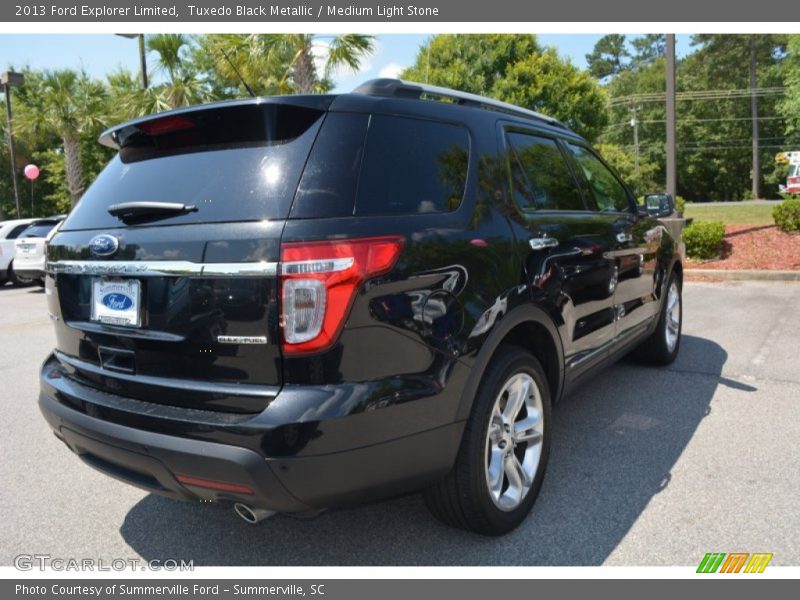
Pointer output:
x,y
648,467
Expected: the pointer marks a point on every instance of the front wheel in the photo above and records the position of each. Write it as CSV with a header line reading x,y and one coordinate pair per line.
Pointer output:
x,y
503,455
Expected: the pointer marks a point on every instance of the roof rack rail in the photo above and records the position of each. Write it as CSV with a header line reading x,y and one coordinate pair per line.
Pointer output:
x,y
408,89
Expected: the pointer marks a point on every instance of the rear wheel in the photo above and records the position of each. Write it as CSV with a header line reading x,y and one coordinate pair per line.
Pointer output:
x,y
16,279
662,346
504,450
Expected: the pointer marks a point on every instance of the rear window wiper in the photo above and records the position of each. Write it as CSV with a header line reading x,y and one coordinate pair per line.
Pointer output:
x,y
127,211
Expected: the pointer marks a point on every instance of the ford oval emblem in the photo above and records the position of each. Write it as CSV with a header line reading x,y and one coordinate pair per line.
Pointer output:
x,y
117,301
103,244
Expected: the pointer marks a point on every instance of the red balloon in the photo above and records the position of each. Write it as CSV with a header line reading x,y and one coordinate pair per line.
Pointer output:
x,y
31,172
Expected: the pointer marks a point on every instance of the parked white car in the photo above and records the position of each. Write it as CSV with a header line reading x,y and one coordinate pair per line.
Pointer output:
x,y
29,248
9,232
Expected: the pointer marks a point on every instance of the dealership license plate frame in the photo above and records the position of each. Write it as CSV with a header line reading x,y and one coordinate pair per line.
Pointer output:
x,y
129,317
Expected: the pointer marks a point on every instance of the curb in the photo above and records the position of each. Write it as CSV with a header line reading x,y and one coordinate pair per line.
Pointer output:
x,y
746,275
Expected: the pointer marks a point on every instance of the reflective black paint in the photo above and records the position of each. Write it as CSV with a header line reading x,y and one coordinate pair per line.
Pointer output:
x,y
415,339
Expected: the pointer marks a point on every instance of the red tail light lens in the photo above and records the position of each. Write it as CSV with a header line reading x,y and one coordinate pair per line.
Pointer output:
x,y
164,125
319,281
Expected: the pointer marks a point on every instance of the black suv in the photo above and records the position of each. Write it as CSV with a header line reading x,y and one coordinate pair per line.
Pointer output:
x,y
298,303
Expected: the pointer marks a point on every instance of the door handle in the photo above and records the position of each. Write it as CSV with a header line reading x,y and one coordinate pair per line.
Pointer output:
x,y
624,237
542,242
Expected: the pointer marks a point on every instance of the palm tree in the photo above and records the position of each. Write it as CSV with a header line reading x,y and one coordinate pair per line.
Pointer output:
x,y
67,104
182,85
127,98
285,63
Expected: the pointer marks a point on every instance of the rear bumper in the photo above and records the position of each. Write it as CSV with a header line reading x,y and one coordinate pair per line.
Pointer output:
x,y
30,273
152,460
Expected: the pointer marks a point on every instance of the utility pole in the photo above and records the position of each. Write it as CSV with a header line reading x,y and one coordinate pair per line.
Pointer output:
x,y
8,80
754,115
635,125
671,151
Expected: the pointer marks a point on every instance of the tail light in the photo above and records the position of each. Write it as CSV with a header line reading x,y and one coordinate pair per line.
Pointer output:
x,y
164,125
319,281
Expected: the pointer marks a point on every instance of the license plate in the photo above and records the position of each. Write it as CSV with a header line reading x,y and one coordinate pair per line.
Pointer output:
x,y
116,301
26,248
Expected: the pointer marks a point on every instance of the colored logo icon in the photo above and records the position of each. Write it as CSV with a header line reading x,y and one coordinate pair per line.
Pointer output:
x,y
735,562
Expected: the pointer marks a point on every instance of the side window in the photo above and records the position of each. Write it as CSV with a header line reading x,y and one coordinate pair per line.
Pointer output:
x,y
541,179
330,178
412,166
605,190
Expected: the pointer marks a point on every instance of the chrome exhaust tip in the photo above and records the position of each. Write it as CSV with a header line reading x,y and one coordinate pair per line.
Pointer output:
x,y
250,514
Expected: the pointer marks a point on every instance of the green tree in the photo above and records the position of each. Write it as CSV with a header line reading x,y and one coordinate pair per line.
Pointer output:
x,y
69,105
609,56
183,84
471,63
515,69
714,134
790,106
647,48
281,63
623,161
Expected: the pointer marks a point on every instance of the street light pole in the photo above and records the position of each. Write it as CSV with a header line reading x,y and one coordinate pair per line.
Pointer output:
x,y
8,80
143,60
142,54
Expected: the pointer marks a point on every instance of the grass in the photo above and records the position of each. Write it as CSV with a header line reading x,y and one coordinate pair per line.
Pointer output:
x,y
732,214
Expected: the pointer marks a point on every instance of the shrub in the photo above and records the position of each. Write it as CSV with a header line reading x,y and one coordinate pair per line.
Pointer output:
x,y
680,204
787,216
703,239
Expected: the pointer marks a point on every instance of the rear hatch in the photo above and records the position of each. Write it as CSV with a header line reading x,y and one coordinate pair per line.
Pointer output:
x,y
164,275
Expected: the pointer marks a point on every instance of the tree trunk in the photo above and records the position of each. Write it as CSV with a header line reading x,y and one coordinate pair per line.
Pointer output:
x,y
304,74
72,158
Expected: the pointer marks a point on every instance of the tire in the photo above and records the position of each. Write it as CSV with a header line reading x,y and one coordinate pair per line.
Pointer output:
x,y
15,279
464,498
661,348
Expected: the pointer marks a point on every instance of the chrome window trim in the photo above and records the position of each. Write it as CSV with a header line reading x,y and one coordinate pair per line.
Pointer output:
x,y
174,268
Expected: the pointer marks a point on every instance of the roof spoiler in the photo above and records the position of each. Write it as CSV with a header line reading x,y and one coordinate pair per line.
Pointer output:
x,y
111,137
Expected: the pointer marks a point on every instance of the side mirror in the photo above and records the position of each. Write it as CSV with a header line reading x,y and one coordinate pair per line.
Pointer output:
x,y
658,205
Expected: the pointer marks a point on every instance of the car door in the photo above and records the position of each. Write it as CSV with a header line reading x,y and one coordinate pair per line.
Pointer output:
x,y
566,245
635,242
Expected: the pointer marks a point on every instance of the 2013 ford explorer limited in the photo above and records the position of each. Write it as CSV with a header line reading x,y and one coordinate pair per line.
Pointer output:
x,y
299,303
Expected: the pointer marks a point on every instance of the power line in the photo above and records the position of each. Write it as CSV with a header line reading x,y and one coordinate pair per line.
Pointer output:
x,y
700,95
688,148
683,121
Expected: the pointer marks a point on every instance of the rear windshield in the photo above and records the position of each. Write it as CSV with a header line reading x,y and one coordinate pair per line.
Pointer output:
x,y
39,230
237,163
